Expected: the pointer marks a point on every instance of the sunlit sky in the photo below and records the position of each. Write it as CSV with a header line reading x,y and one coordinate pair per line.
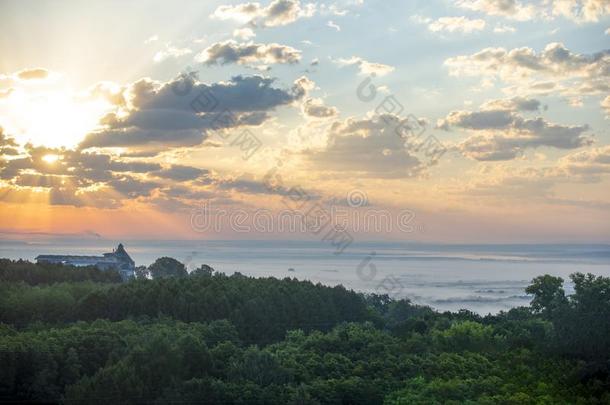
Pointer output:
x,y
99,135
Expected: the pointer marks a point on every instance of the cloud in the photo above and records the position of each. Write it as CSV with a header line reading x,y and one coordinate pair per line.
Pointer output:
x,y
533,184
247,184
501,28
143,140
131,187
79,178
535,133
151,39
110,92
333,25
8,145
478,120
76,178
158,116
555,68
180,173
506,8
171,52
228,52
244,33
420,19
368,148
315,108
580,11
605,103
32,74
365,67
6,93
594,161
277,13
456,24
499,133
512,104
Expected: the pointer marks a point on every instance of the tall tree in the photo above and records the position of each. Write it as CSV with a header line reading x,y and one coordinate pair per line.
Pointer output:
x,y
165,267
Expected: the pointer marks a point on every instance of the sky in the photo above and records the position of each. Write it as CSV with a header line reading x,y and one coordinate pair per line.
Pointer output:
x,y
462,121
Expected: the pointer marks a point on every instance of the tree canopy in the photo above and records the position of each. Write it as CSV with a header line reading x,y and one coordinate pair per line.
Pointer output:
x,y
215,338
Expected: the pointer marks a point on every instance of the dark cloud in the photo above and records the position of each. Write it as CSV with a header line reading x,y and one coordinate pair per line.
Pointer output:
x,y
161,116
315,108
78,178
228,52
478,120
144,141
131,187
189,193
8,146
180,173
513,104
504,134
248,185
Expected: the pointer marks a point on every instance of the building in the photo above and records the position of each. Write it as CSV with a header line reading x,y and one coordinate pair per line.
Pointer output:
x,y
118,260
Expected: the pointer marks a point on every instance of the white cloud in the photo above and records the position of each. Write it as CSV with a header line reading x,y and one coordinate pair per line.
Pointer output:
x,y
592,161
365,147
333,25
419,19
365,67
151,39
579,11
278,12
501,29
171,52
456,24
605,103
244,33
506,8
555,68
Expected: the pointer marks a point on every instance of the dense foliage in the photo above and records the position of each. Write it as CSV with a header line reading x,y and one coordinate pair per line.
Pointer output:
x,y
48,273
211,338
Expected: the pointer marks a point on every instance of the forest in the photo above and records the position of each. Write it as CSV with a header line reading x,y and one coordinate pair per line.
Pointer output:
x,y
79,335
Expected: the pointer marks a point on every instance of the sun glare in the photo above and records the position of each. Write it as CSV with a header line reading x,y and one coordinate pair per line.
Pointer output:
x,y
50,158
53,119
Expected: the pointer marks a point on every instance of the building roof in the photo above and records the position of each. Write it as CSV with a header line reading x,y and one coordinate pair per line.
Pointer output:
x,y
76,257
118,255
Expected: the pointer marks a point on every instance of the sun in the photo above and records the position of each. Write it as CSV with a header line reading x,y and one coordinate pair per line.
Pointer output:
x,y
52,118
50,158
